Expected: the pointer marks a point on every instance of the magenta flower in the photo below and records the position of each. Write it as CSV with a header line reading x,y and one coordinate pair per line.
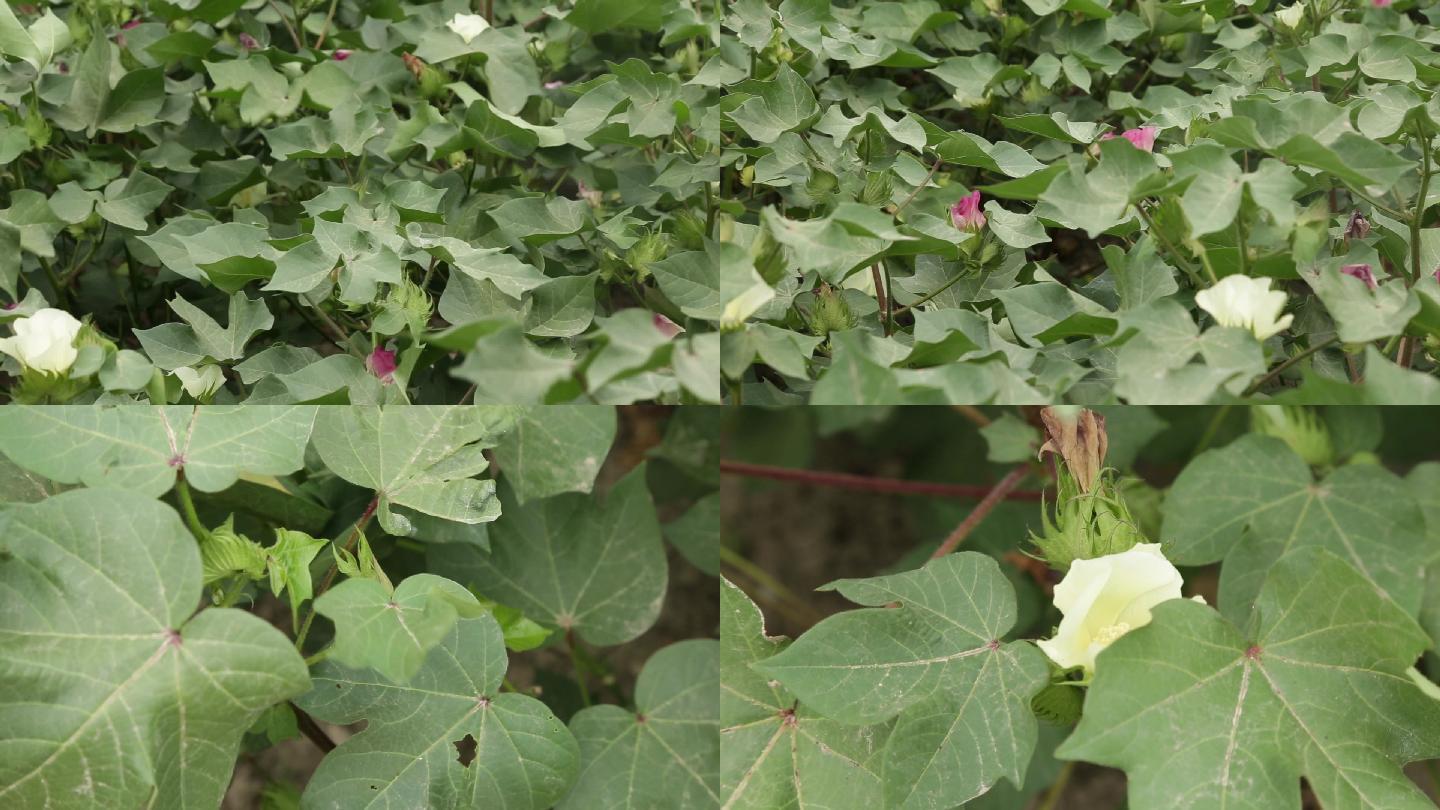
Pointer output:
x,y
381,363
131,24
965,213
667,327
1382,3
248,42
1141,137
1362,272
341,55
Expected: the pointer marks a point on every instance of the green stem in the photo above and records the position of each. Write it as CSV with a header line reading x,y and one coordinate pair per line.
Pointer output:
x,y
1240,242
942,288
1278,370
1057,789
187,505
575,665
1420,202
317,657
355,531
762,578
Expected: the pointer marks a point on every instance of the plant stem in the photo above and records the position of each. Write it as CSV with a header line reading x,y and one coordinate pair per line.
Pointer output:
x,y
1420,201
1276,372
294,37
880,297
987,504
923,183
317,657
1057,789
187,505
942,288
802,609
865,483
575,665
325,29
355,531
312,730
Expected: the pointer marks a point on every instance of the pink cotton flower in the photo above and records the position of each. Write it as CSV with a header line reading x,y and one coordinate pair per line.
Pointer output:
x,y
381,363
131,24
1142,138
965,213
248,42
1382,3
554,85
1362,272
341,55
667,327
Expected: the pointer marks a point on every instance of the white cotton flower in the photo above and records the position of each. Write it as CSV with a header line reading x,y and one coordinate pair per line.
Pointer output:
x,y
468,26
44,341
201,383
1104,598
1246,302
1291,16
864,281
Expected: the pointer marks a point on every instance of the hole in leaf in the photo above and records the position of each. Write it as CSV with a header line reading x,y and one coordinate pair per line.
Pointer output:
x,y
465,750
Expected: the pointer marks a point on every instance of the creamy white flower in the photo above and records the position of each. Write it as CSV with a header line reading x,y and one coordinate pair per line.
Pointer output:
x,y
742,306
44,341
1246,302
1291,15
468,26
202,382
864,281
1104,598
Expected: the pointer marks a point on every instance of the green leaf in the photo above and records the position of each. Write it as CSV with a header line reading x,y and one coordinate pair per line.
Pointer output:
x,y
118,690
783,103
142,449
574,562
505,367
1191,706
599,16
288,560
393,632
774,751
556,449
127,202
419,458
408,754
172,345
962,695
1255,500
696,534
664,754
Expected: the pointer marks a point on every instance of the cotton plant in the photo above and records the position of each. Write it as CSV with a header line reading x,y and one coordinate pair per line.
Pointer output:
x,y
1316,592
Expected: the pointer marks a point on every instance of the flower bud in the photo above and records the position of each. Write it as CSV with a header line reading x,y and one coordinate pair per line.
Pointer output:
x,y
878,189
381,363
647,250
689,230
1291,15
225,553
830,312
1358,227
201,383
1298,427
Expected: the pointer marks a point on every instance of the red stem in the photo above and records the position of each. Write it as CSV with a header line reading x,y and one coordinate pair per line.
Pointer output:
x,y
897,486
992,498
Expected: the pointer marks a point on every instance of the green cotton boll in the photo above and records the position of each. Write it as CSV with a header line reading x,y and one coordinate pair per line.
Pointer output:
x,y
432,82
821,185
1299,427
